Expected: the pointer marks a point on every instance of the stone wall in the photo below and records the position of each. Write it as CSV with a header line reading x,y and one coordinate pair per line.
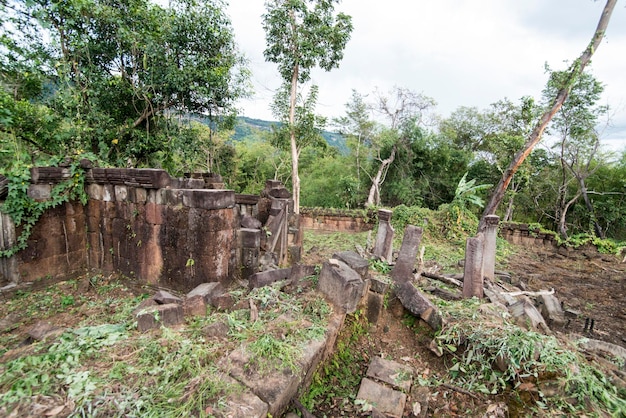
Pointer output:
x,y
522,234
175,233
336,220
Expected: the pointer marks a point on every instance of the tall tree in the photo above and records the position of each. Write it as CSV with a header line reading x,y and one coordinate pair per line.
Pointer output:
x,y
301,35
112,67
574,72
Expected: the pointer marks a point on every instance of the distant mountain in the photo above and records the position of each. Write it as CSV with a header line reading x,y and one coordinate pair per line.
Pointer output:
x,y
247,127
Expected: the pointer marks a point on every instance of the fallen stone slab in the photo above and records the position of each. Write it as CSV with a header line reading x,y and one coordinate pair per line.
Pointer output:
x,y
598,346
419,305
161,315
386,400
44,330
207,291
527,316
194,306
341,285
398,375
551,310
355,261
266,278
163,297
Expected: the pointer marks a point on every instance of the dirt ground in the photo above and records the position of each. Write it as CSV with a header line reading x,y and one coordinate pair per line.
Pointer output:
x,y
589,284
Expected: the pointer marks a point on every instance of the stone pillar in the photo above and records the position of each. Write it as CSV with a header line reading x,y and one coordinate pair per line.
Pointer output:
x,y
384,238
473,271
403,270
250,249
489,251
9,272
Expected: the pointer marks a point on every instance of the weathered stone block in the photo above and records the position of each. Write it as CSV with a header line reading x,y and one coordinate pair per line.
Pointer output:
x,y
418,304
403,270
163,297
156,316
207,291
388,401
121,193
39,191
393,373
355,261
341,285
194,306
375,304
379,285
265,278
248,222
250,238
551,310
208,199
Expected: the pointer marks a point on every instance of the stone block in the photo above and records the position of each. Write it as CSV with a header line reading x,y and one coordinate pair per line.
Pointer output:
x,y
379,285
39,191
386,400
208,291
156,316
121,193
398,375
405,263
194,306
375,305
223,302
418,304
526,315
250,238
341,285
355,261
265,278
240,402
249,222
301,271
208,199
163,297
550,309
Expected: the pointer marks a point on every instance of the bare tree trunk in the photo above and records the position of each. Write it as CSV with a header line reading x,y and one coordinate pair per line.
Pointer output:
x,y
596,226
374,196
295,178
562,226
575,70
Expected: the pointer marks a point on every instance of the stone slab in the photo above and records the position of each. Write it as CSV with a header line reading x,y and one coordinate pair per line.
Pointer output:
x,y
163,297
341,285
265,278
355,261
398,375
155,316
208,291
405,263
194,306
551,310
386,400
419,305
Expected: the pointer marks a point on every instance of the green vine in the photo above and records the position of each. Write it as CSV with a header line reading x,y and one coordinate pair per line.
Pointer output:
x,y
26,211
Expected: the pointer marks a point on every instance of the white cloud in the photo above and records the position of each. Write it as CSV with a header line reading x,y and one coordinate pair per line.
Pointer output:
x,y
460,52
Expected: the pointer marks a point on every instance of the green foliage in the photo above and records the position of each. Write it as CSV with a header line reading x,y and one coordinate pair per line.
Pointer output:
x,y
476,344
26,211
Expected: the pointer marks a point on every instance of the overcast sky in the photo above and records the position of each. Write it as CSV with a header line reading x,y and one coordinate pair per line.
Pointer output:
x,y
459,52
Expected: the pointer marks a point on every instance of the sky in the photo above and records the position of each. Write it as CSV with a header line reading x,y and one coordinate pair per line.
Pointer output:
x,y
459,52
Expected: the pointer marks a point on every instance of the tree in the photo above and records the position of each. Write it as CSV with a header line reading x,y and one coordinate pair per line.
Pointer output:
x,y
404,111
574,72
578,148
112,68
301,35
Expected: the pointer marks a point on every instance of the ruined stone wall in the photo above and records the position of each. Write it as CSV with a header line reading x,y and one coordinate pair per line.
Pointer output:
x,y
141,223
522,234
336,220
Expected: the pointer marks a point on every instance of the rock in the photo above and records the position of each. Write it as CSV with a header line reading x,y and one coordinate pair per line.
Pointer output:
x,y
216,330
249,222
355,261
419,305
163,297
9,323
405,263
550,308
194,306
421,395
154,316
395,374
527,316
265,278
386,400
341,285
208,291
44,330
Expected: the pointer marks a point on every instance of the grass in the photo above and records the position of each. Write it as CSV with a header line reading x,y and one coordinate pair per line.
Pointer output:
x,y
102,366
